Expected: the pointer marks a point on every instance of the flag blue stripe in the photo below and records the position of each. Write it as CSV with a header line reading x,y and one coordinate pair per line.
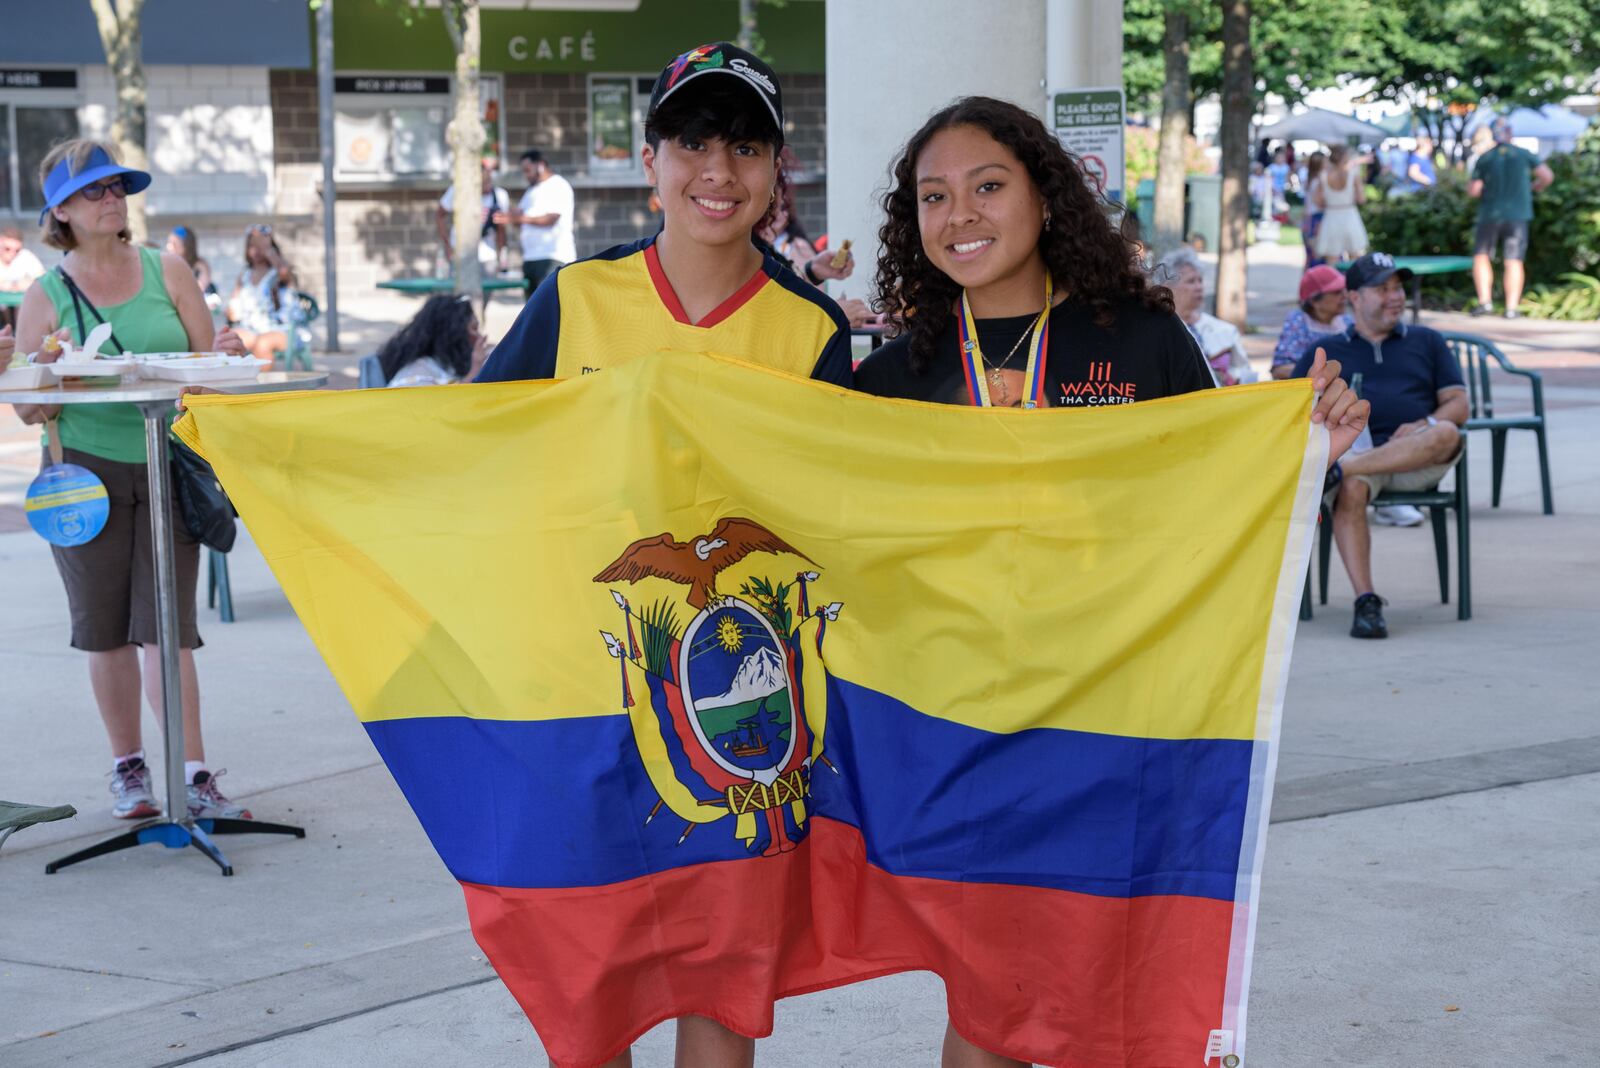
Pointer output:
x,y
563,803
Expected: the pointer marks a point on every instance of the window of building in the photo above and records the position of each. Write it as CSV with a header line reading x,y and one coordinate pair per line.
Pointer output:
x,y
31,134
389,126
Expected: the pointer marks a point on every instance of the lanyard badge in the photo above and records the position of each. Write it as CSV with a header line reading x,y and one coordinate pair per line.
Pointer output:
x,y
973,364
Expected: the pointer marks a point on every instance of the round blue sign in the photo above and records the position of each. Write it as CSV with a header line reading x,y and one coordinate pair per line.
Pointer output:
x,y
67,505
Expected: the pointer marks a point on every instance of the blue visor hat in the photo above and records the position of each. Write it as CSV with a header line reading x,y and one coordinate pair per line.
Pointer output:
x,y
61,182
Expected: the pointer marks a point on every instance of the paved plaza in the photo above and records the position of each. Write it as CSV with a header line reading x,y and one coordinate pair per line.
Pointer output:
x,y
1429,894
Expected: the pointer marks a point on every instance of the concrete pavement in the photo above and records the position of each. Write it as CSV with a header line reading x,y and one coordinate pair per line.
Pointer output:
x,y
1428,897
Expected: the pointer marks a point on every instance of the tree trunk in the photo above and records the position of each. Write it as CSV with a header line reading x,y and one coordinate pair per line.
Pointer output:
x,y
465,137
747,26
118,22
1238,105
1171,164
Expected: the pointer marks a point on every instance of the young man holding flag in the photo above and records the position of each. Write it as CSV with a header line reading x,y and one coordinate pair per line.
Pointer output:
x,y
700,285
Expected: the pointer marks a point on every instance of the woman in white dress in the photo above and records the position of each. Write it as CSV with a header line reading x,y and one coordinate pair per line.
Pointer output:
x,y
1339,195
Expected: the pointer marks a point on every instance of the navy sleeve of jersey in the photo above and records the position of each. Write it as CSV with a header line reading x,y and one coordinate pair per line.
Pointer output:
x,y
836,361
529,349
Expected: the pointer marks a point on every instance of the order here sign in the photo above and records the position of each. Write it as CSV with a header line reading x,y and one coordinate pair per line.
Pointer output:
x,y
1089,124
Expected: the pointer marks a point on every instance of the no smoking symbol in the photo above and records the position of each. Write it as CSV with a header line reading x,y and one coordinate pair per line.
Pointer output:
x,y
1096,169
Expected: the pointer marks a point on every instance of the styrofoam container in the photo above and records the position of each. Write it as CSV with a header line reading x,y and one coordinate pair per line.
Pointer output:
x,y
28,376
204,369
89,368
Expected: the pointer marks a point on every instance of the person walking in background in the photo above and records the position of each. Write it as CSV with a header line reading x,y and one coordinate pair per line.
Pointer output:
x,y
262,306
1340,196
153,304
1503,182
439,346
492,234
1311,212
1278,172
1321,312
544,220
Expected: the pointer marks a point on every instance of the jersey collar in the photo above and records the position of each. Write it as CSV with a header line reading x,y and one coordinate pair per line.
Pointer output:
x,y
738,299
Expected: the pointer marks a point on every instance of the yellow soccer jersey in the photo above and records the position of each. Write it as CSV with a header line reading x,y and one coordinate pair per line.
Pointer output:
x,y
613,307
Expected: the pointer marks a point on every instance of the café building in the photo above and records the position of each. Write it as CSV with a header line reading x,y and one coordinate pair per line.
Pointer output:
x,y
233,132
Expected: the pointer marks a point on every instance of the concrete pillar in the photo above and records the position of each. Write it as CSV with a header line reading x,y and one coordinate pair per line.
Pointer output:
x,y
892,63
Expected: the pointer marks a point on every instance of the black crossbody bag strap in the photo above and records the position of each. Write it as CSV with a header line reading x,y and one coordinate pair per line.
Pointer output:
x,y
78,303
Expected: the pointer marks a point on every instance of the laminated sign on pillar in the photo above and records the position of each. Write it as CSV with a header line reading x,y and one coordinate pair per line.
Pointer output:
x,y
1089,123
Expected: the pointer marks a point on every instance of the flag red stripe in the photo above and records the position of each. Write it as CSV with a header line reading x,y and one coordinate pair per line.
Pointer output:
x,y
1051,976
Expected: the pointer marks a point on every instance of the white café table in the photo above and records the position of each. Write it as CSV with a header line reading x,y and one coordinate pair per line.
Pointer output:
x,y
156,400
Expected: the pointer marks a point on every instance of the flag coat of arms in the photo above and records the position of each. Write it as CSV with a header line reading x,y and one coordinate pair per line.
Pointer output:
x,y
714,686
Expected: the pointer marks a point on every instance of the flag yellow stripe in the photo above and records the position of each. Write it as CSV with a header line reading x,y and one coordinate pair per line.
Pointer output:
x,y
1106,570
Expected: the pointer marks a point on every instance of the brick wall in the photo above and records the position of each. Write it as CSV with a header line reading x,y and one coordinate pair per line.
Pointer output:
x,y
209,136
294,117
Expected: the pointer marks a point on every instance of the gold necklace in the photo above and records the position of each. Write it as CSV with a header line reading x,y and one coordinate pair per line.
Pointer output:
x,y
996,379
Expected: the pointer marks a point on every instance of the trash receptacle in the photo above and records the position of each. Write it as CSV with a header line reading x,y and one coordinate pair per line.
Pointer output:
x,y
1204,209
1145,191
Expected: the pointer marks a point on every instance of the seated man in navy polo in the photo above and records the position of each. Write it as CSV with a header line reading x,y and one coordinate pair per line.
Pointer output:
x,y
1419,404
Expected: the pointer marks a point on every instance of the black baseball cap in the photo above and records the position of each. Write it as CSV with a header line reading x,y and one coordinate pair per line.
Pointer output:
x,y
1374,269
720,58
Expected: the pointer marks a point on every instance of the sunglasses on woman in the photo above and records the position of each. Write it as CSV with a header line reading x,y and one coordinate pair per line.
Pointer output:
x,y
118,186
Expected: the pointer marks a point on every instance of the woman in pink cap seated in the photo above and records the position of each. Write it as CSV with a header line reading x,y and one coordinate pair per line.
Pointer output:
x,y
1321,312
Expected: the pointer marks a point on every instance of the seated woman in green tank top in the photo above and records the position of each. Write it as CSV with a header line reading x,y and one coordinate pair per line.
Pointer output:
x,y
153,304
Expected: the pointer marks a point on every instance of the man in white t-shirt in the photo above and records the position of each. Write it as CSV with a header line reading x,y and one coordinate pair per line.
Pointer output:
x,y
492,235
545,217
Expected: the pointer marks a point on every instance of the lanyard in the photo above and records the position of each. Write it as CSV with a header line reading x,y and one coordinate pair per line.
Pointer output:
x,y
1038,351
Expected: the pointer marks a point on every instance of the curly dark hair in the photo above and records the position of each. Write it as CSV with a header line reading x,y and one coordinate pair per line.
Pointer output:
x,y
1085,255
438,330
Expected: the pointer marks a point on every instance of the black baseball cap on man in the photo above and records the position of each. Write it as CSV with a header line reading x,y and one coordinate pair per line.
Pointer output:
x,y
726,59
1374,269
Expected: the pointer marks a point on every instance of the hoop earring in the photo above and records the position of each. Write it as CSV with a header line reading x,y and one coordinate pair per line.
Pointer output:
x,y
1047,221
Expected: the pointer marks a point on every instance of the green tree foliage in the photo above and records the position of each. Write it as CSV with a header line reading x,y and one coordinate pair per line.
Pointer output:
x,y
1142,68
1442,57
1298,45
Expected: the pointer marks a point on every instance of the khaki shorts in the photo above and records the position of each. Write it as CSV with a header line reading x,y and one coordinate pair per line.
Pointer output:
x,y
1423,478
111,585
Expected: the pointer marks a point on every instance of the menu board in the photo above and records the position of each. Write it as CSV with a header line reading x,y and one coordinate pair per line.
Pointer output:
x,y
610,123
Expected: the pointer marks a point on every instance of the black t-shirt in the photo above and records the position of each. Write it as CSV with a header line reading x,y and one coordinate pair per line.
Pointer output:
x,y
1144,354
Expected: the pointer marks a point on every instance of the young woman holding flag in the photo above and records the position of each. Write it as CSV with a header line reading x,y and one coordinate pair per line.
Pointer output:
x,y
1015,290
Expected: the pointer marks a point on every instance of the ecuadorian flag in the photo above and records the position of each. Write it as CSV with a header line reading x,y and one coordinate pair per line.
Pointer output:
x,y
714,686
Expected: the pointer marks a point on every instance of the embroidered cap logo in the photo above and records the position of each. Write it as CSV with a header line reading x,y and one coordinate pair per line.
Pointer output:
x,y
696,57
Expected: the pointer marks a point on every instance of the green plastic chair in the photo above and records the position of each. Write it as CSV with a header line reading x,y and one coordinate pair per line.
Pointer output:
x,y
1475,354
299,350
14,817
219,588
